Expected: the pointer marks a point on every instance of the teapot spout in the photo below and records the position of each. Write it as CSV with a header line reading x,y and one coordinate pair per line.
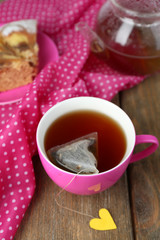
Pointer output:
x,y
96,43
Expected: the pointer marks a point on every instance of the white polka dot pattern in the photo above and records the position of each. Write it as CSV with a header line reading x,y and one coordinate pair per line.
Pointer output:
x,y
77,73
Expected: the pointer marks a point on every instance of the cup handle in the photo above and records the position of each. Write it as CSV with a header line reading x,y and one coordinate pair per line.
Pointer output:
x,y
147,151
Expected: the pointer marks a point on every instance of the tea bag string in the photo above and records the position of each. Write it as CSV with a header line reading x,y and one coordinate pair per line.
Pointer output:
x,y
70,209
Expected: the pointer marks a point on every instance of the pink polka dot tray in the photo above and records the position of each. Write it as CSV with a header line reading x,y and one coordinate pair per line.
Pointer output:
x,y
47,53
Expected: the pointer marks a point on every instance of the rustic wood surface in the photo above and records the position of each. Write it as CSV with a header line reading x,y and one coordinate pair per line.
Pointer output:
x,y
134,201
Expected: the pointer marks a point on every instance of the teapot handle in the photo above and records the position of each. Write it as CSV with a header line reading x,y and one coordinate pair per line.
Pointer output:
x,y
96,43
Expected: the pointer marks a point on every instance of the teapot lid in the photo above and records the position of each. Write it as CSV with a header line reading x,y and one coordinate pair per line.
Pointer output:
x,y
140,6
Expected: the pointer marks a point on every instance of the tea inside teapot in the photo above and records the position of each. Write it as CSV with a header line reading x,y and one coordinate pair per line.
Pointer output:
x,y
130,33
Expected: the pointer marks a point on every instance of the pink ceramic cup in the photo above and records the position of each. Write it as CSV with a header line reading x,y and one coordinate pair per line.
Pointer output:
x,y
90,184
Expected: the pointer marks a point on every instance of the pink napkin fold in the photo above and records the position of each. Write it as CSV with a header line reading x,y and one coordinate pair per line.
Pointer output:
x,y
77,73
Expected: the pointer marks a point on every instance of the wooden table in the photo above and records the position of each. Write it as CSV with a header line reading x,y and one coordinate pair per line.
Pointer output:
x,y
134,201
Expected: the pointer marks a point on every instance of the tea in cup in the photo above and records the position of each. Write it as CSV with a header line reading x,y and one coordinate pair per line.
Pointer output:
x,y
78,117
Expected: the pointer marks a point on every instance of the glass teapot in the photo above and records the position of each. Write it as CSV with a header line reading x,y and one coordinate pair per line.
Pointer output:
x,y
127,35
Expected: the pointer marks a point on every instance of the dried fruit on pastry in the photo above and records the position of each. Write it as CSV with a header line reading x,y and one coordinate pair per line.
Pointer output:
x,y
18,54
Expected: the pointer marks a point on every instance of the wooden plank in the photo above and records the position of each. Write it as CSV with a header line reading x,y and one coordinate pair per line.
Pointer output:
x,y
44,219
142,105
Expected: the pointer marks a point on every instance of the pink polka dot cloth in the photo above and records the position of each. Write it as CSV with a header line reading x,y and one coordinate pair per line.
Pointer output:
x,y
77,73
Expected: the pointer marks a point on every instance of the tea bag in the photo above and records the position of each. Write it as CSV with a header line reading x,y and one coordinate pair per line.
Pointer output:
x,y
77,155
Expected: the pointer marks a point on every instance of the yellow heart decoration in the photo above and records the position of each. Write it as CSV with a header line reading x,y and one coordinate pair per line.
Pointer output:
x,y
105,222
95,188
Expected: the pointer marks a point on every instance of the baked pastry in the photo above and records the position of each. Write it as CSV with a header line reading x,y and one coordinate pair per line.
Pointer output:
x,y
18,54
